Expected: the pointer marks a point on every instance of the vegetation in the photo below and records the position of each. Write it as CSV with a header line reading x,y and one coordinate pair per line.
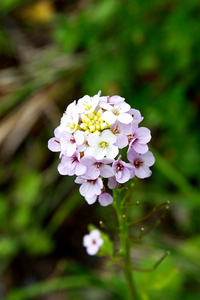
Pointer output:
x,y
52,52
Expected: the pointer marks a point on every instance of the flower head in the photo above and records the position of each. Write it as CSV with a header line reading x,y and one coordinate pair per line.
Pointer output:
x,y
92,132
92,242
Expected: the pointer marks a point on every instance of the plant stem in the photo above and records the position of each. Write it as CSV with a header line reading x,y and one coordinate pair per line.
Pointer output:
x,y
124,235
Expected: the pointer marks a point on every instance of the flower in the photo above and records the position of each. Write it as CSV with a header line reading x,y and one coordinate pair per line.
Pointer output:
x,y
96,168
121,131
121,170
71,165
93,131
89,187
103,145
141,163
92,242
139,138
116,112
88,104
69,122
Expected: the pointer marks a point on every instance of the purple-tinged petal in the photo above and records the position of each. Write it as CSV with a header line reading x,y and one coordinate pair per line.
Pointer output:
x,y
106,171
132,155
105,199
144,135
112,182
122,141
123,176
79,169
91,200
148,158
54,144
140,148
143,172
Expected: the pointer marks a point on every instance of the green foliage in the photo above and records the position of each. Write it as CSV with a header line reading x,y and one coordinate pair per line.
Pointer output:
x,y
146,51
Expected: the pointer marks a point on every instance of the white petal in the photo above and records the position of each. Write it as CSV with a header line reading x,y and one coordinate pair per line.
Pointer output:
x,y
93,139
86,240
108,136
79,137
105,105
99,153
125,118
112,151
92,249
91,200
109,117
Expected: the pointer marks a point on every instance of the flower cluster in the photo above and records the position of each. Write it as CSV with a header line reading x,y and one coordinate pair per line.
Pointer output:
x,y
90,138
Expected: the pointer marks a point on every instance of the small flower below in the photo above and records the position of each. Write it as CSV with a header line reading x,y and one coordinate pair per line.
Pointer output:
x,y
92,242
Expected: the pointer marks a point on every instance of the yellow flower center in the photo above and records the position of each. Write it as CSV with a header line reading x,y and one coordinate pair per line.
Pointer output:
x,y
103,145
93,122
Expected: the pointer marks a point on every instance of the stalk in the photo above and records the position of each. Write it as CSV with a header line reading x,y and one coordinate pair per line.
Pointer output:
x,y
125,244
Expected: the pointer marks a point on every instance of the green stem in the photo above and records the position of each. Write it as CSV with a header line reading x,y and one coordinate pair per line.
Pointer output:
x,y
124,235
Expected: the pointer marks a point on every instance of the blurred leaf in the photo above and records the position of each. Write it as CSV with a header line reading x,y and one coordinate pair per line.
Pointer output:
x,y
37,241
28,189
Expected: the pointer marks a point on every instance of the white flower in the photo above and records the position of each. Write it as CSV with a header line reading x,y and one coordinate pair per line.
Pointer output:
x,y
92,242
102,145
116,112
69,123
88,104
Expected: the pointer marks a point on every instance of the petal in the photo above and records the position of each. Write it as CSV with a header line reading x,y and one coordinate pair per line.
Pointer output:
x,y
123,107
92,172
91,200
112,182
108,136
54,144
143,134
116,99
79,137
125,176
125,118
104,104
106,171
140,148
148,158
92,249
109,117
71,148
93,139
88,160
99,153
112,151
132,155
95,234
87,190
122,141
143,172
63,169
79,180
105,199
86,240
79,169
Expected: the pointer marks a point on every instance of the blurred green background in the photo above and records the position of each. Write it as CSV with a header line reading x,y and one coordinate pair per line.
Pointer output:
x,y
51,53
